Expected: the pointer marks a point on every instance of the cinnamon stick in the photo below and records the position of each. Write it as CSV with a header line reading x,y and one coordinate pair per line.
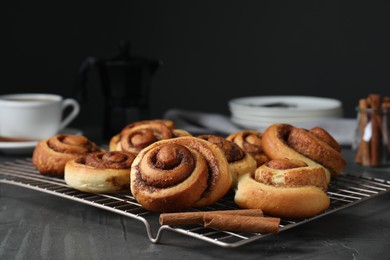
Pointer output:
x,y
363,152
375,144
186,218
386,127
14,139
242,223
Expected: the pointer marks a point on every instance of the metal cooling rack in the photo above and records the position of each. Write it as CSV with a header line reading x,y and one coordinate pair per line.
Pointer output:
x,y
348,190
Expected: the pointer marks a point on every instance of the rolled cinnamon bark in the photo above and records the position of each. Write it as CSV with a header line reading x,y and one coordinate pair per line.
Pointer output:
x,y
242,223
13,139
187,218
363,153
386,127
375,101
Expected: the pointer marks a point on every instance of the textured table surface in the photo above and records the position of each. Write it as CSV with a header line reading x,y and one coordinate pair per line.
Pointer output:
x,y
35,225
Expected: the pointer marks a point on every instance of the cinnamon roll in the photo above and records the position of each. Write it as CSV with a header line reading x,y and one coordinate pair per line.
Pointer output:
x,y
250,142
136,136
178,173
315,147
169,123
239,161
100,172
180,132
284,188
50,155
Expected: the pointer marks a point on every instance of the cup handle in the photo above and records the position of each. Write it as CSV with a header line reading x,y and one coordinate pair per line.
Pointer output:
x,y
69,102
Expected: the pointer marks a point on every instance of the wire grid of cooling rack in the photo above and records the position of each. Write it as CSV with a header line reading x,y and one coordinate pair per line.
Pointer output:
x,y
348,190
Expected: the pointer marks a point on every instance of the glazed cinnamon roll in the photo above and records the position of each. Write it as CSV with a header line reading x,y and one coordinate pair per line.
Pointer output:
x,y
136,136
178,173
100,172
284,188
315,147
239,161
50,155
250,142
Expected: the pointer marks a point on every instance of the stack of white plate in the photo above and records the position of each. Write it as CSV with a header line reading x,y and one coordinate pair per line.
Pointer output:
x,y
262,111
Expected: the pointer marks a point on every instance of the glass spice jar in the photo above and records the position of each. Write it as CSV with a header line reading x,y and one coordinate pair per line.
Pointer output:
x,y
372,138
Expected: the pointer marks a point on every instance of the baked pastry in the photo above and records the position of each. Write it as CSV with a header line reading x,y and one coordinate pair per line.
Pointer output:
x,y
284,188
100,172
179,173
314,147
180,133
169,123
250,142
50,155
239,161
136,136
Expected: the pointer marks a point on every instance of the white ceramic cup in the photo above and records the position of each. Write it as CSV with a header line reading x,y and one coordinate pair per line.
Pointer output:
x,y
35,116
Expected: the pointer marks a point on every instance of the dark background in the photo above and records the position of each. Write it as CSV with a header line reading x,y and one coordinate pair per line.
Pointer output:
x,y
212,51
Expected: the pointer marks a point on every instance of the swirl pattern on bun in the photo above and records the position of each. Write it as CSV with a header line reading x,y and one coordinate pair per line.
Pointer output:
x,y
136,136
314,147
50,155
101,172
250,142
178,173
284,188
239,161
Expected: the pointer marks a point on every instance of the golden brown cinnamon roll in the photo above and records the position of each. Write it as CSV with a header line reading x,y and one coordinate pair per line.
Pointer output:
x,y
284,188
50,155
136,136
239,161
168,123
315,147
250,142
100,172
180,133
178,173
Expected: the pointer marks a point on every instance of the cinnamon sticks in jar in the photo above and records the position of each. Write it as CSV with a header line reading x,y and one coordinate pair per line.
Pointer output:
x,y
373,145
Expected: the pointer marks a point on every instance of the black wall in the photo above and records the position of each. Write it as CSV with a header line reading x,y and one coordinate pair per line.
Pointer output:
x,y
212,51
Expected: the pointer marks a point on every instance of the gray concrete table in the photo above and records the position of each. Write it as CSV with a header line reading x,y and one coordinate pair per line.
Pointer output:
x,y
35,225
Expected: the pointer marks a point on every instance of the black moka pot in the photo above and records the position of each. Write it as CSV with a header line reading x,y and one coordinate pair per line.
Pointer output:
x,y
125,82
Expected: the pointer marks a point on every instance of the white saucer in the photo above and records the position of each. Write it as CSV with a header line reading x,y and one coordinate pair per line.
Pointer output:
x,y
27,147
286,106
